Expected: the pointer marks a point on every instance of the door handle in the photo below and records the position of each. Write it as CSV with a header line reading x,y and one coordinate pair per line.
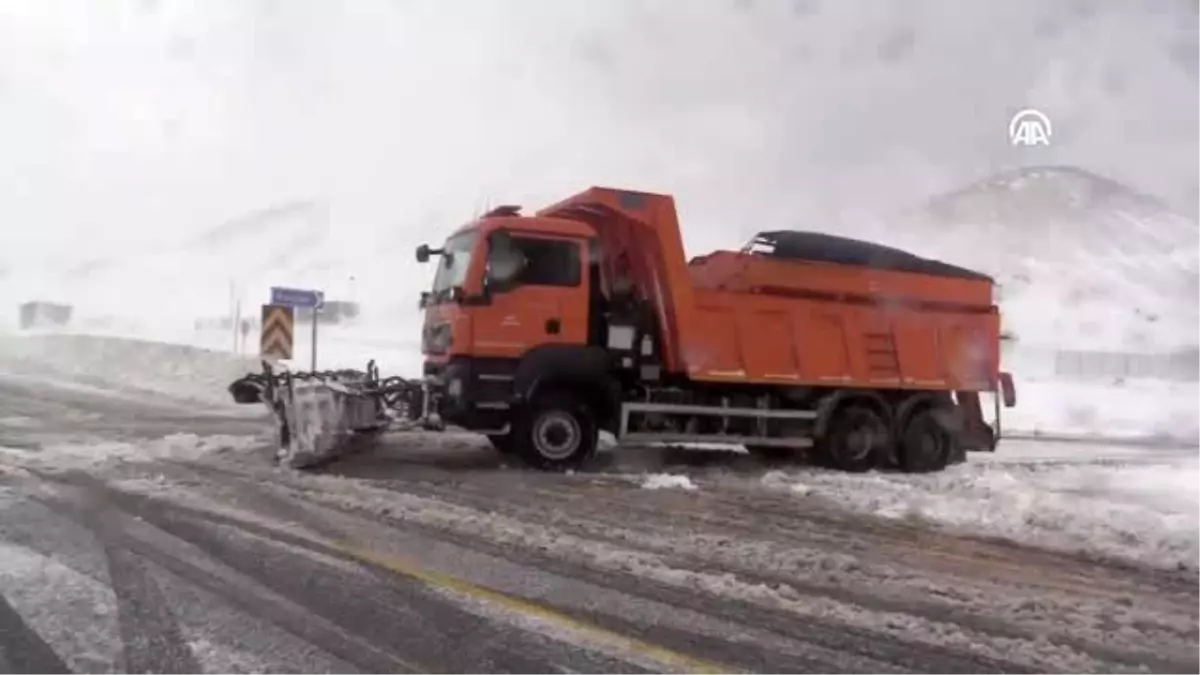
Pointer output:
x,y
553,326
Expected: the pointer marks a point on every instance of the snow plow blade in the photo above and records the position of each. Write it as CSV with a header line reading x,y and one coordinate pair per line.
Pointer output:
x,y
322,416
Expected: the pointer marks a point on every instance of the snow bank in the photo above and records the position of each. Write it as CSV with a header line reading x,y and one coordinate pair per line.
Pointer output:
x,y
1134,409
395,347
661,481
127,365
1134,504
95,455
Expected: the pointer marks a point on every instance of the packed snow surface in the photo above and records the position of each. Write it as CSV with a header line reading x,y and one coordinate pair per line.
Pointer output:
x,y
661,481
82,455
1133,409
1135,503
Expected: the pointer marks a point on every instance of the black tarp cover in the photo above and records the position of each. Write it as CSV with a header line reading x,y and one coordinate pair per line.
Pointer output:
x,y
821,247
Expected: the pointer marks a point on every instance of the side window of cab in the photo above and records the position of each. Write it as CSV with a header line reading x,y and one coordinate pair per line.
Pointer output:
x,y
548,262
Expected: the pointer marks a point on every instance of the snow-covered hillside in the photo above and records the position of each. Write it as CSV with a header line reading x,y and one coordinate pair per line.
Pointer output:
x,y
176,279
1082,261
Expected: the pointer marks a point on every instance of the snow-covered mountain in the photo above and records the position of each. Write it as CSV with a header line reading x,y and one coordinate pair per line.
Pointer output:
x,y
1083,262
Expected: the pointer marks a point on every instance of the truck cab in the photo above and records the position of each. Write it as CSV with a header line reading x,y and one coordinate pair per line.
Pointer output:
x,y
508,290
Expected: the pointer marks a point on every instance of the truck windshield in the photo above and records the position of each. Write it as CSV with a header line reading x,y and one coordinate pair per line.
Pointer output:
x,y
456,259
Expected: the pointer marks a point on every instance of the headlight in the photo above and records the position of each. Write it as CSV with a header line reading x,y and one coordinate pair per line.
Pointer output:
x,y
437,338
455,388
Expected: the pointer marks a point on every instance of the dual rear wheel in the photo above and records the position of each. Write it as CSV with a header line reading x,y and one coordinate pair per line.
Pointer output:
x,y
859,438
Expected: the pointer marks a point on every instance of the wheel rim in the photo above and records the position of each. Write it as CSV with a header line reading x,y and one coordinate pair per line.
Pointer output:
x,y
556,435
863,438
927,448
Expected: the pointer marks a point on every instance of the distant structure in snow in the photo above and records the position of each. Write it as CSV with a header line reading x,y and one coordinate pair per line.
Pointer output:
x,y
222,323
333,312
1180,366
43,315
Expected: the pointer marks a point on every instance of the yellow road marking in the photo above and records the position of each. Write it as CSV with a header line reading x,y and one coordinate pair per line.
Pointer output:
x,y
514,603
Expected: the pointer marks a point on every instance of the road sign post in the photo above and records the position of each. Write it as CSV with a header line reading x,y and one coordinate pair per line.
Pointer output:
x,y
303,298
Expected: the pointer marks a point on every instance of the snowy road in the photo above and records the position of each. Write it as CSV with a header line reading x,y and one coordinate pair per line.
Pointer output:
x,y
137,537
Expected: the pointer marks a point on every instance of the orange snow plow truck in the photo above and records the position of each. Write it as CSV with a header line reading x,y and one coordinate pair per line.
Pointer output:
x,y
542,330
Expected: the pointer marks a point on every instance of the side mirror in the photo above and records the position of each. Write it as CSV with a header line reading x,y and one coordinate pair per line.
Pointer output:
x,y
423,253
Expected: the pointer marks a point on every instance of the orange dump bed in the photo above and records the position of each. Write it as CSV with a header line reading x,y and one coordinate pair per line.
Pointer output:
x,y
759,319
812,309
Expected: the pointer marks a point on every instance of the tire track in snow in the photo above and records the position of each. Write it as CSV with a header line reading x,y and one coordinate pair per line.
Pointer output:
x,y
770,650
22,650
617,650
1077,581
194,566
149,634
149,631
862,637
387,618
58,609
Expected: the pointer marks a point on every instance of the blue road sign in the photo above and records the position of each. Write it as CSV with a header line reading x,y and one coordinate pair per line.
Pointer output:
x,y
297,297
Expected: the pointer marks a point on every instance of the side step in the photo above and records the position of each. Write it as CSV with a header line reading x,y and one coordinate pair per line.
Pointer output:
x,y
629,409
765,441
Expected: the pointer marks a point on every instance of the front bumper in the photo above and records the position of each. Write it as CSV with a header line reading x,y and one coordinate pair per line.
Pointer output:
x,y
472,393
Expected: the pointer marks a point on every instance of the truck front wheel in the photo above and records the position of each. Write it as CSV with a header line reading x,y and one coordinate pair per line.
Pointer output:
x,y
556,432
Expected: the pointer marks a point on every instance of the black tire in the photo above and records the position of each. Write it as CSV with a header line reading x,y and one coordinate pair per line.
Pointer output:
x,y
503,443
857,439
927,443
556,432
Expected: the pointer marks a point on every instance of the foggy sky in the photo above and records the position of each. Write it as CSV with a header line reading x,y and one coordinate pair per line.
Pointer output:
x,y
127,125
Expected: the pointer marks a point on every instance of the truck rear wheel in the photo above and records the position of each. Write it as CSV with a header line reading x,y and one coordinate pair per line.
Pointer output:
x,y
556,432
927,444
857,439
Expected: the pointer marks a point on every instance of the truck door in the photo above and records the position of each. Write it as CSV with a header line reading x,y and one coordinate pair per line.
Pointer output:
x,y
547,303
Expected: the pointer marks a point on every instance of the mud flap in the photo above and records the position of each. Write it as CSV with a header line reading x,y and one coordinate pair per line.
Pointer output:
x,y
953,423
321,420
